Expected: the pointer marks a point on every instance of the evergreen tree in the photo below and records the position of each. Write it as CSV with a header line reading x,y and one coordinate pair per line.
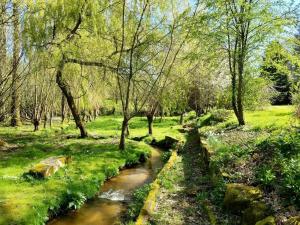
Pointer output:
x,y
276,68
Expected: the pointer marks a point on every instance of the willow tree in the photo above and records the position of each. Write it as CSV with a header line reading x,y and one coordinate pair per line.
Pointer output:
x,y
63,29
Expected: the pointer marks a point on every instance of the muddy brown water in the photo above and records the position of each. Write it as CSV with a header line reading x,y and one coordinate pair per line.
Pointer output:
x,y
108,206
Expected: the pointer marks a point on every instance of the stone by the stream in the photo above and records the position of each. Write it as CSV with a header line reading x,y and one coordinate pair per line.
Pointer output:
x,y
170,141
256,212
4,146
270,220
167,143
49,166
293,221
239,196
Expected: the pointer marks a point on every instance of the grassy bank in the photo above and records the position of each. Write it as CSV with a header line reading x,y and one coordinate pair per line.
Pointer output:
x,y
264,153
24,200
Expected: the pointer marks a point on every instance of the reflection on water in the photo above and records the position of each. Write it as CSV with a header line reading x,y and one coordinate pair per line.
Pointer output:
x,y
107,208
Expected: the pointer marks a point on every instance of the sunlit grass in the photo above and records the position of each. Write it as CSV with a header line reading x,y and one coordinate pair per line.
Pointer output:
x,y
29,202
270,118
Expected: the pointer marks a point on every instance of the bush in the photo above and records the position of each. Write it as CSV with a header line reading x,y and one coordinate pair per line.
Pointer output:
x,y
75,199
220,115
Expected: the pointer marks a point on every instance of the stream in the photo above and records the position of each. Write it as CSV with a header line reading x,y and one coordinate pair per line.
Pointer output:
x,y
108,206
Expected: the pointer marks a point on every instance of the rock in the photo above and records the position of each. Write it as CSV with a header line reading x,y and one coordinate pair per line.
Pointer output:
x,y
2,143
170,141
167,143
293,221
270,220
4,146
239,196
256,212
139,138
49,166
182,130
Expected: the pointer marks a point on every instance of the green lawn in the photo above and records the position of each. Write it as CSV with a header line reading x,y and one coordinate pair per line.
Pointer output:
x,y
271,118
28,201
264,152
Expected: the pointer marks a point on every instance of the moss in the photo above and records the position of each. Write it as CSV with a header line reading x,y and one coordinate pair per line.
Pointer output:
x,y
293,221
256,212
270,220
239,196
211,215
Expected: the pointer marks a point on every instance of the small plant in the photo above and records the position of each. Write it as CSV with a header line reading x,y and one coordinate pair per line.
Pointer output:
x,y
111,171
165,156
137,203
75,199
266,176
201,196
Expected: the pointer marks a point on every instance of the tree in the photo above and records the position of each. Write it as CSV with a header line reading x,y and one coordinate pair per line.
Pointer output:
x,y
276,68
15,95
242,28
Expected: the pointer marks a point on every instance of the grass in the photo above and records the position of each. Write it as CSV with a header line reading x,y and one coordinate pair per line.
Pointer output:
x,y
271,118
24,200
265,153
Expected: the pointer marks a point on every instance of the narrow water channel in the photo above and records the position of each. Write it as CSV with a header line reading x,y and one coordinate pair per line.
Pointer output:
x,y
108,206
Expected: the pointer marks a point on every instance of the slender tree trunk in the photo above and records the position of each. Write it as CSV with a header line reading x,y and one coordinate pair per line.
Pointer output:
x,y
36,124
70,100
181,118
2,61
45,120
150,123
63,108
240,90
15,100
50,120
123,133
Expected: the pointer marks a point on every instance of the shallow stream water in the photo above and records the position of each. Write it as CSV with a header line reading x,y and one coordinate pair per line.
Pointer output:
x,y
108,206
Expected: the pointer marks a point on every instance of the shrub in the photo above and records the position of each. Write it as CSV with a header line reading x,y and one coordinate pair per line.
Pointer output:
x,y
220,115
75,199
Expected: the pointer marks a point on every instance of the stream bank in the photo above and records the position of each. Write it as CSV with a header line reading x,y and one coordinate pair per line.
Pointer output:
x,y
177,201
112,201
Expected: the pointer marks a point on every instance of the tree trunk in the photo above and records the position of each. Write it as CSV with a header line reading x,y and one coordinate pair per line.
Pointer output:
x,y
150,122
123,133
15,100
70,100
45,120
181,118
50,120
2,61
36,124
63,108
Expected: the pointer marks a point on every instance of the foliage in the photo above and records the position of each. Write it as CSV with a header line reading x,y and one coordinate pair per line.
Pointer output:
x,y
137,202
258,93
276,68
92,162
265,175
166,155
